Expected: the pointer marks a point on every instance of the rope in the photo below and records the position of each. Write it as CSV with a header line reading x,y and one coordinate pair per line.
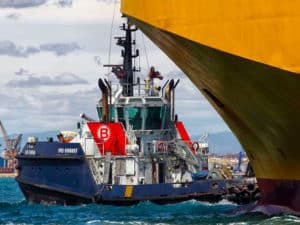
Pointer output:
x,y
110,36
145,50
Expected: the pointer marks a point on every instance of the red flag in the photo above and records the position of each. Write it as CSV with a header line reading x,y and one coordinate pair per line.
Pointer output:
x,y
154,74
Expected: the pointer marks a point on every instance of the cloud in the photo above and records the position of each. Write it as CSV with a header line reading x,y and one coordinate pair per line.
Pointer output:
x,y
33,81
109,1
11,49
65,3
21,3
13,16
40,108
60,48
53,103
22,72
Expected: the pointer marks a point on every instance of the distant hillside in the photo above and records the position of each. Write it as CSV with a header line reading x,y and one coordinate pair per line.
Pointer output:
x,y
219,143
224,142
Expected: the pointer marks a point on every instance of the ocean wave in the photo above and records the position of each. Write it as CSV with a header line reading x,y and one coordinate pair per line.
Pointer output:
x,y
11,223
14,210
5,205
281,220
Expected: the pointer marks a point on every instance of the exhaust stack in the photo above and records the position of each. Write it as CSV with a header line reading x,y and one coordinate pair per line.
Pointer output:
x,y
105,92
170,96
168,90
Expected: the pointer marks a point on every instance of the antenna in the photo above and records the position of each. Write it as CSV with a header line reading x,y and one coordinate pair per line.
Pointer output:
x,y
125,71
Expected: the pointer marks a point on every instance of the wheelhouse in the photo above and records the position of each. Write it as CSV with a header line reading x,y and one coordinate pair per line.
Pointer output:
x,y
141,113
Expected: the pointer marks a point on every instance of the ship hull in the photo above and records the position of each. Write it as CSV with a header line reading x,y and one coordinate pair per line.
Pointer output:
x,y
164,193
39,189
280,192
116,194
47,195
258,102
48,176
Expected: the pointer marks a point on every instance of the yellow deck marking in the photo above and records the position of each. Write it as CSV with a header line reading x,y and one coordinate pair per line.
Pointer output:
x,y
128,191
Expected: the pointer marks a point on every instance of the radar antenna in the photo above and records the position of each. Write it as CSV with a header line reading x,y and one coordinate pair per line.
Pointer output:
x,y
125,71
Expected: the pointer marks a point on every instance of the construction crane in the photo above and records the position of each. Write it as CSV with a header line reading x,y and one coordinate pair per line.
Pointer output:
x,y
12,144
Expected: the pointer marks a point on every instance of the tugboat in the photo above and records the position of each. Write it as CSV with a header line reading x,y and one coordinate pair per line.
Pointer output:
x,y
137,151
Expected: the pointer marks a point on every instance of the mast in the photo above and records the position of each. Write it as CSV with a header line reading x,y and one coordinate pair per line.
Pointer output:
x,y
125,72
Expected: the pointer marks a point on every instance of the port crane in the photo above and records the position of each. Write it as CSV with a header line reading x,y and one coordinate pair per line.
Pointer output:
x,y
12,144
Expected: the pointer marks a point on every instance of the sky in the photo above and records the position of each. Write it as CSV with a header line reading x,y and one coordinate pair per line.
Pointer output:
x,y
52,54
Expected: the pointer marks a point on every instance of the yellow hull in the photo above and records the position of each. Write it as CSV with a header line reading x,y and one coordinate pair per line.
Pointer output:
x,y
264,31
244,57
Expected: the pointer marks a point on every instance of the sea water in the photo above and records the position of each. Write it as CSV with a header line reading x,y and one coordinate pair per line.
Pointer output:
x,y
15,210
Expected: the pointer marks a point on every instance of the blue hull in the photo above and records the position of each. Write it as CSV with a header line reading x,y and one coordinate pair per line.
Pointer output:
x,y
49,196
48,175
164,193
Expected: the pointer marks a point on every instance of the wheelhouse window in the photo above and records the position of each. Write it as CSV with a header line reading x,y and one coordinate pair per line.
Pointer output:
x,y
154,117
99,110
135,117
121,116
113,112
167,117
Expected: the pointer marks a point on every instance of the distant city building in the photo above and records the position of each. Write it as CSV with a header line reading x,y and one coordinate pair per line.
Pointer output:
x,y
1,162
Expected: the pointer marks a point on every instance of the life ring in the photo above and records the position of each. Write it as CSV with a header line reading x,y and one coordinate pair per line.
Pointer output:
x,y
195,146
160,147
